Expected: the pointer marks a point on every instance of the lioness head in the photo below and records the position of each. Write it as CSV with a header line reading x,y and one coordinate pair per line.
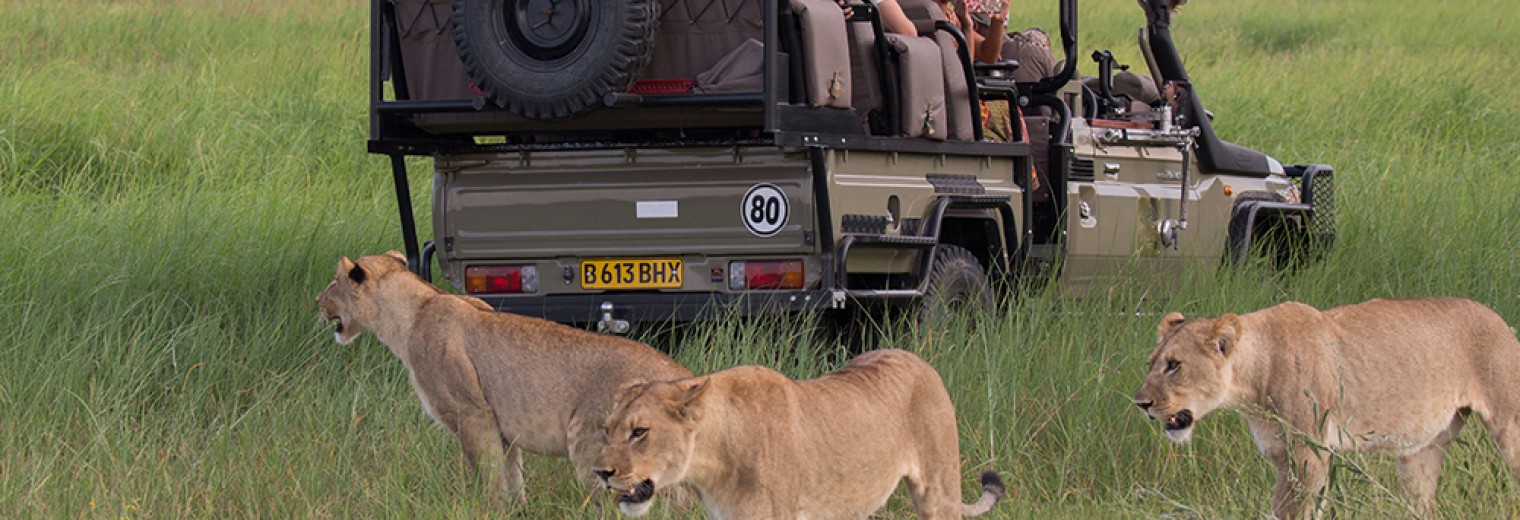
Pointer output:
x,y
1189,374
650,439
348,300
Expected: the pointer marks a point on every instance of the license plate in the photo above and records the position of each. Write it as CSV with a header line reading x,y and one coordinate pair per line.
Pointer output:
x,y
632,273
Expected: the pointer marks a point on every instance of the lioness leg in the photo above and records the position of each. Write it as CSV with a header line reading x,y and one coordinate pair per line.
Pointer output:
x,y
583,442
934,493
1420,471
489,458
1301,478
514,476
1506,433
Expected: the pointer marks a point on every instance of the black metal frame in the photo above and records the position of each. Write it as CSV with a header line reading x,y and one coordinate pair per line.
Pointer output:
x,y
785,123
1318,216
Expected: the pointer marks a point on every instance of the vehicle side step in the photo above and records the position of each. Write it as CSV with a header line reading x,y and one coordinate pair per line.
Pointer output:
x,y
893,240
977,201
925,242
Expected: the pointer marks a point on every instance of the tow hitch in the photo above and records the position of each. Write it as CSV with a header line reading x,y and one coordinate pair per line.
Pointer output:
x,y
608,324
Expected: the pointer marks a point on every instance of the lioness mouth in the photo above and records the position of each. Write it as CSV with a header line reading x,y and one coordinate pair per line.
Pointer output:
x,y
1182,421
337,322
639,494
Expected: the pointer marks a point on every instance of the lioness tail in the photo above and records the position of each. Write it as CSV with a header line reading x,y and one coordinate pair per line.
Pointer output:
x,y
992,492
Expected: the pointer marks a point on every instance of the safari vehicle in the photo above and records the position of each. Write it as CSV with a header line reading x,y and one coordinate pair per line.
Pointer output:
x,y
618,161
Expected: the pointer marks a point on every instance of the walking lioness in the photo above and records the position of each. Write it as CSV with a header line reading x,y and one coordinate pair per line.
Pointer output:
x,y
1391,376
501,383
758,445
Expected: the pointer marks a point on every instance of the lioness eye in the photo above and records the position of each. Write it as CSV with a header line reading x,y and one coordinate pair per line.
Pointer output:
x,y
638,433
1172,365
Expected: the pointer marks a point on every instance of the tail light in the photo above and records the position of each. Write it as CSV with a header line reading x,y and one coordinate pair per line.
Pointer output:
x,y
765,275
501,279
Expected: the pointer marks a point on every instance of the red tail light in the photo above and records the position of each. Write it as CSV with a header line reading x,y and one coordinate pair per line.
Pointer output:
x,y
501,279
765,275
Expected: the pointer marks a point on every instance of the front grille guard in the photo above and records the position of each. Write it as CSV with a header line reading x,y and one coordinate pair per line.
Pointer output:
x,y
1317,184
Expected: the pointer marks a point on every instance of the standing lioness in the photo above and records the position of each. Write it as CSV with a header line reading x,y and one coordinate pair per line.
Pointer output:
x,y
1390,376
501,383
758,445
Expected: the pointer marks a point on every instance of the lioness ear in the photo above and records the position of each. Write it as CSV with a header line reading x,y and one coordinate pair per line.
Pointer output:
x,y
694,391
628,391
1226,334
355,272
1169,323
397,255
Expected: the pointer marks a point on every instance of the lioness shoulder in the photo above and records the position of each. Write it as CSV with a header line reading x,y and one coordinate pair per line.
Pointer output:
x,y
501,383
1391,376
759,445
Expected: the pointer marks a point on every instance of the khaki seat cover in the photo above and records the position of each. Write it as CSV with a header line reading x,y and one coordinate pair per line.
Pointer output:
x,y
957,92
825,52
865,76
922,84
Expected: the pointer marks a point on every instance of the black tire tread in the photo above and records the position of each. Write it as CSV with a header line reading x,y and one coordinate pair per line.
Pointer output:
x,y
950,260
633,47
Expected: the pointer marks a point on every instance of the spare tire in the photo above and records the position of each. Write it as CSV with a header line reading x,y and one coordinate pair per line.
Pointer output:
x,y
554,59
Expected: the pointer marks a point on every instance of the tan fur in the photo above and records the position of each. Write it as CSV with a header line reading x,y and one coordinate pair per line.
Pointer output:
x,y
758,445
501,383
1391,376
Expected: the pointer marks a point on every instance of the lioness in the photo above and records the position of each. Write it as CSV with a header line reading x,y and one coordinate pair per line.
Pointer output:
x,y
501,383
1390,376
758,445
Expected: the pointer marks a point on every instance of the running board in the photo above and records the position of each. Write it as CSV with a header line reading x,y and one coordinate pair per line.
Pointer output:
x,y
924,243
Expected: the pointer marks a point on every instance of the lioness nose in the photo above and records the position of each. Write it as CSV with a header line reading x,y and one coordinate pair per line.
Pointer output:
x,y
1144,405
604,473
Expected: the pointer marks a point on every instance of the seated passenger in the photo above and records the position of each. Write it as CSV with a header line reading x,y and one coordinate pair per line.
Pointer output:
x,y
1031,48
984,49
893,20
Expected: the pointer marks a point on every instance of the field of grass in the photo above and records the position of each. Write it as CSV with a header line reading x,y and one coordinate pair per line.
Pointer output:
x,y
178,178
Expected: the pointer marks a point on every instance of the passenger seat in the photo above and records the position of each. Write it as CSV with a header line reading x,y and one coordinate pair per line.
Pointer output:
x,y
933,96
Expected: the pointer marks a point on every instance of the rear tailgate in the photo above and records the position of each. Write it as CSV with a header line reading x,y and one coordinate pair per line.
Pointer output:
x,y
558,208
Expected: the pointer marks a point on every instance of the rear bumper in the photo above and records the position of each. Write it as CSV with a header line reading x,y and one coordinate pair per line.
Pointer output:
x,y
657,307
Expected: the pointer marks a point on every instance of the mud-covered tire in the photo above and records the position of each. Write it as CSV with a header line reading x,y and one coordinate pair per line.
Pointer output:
x,y
554,59
956,283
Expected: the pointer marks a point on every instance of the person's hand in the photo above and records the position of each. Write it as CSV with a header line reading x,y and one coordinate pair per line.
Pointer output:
x,y
997,10
845,5
962,14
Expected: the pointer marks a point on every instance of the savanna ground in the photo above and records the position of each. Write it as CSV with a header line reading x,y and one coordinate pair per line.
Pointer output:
x,y
179,178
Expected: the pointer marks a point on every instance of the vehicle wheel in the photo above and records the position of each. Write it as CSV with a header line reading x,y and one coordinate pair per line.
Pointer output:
x,y
554,59
957,283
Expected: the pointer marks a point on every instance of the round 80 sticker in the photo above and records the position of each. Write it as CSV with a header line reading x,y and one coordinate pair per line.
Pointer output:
x,y
764,210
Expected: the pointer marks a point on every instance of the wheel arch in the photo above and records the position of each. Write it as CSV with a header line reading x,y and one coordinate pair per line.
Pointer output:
x,y
1257,214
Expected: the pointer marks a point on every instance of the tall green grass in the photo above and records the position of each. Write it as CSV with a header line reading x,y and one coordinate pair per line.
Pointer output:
x,y
180,177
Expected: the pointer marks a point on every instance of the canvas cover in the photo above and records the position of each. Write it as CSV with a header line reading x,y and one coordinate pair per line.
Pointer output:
x,y
429,57
742,70
695,34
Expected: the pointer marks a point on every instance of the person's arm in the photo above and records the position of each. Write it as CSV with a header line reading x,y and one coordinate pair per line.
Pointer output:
x,y
990,48
893,19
